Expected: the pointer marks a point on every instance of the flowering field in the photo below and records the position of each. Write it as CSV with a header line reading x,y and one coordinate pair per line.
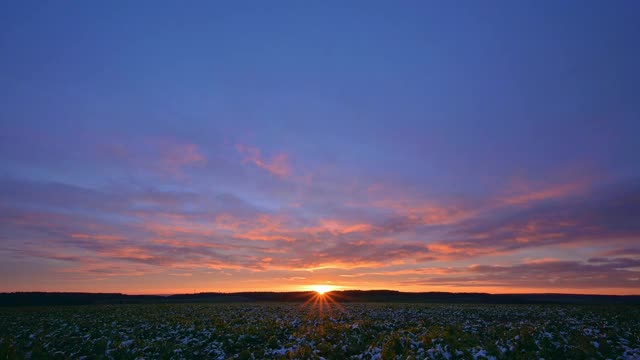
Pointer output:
x,y
297,331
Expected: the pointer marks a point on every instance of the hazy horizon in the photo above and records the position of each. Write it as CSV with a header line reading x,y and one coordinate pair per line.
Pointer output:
x,y
157,147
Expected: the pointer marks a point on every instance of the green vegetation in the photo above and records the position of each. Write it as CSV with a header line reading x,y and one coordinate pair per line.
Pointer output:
x,y
297,331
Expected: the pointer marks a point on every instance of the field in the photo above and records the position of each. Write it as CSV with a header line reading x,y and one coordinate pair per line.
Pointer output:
x,y
297,331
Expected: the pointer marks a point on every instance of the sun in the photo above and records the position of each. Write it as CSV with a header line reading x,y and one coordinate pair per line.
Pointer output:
x,y
321,289
322,299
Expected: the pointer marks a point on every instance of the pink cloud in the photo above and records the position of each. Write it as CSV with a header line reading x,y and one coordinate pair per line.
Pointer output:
x,y
523,192
99,237
182,154
164,155
414,207
175,155
264,227
278,164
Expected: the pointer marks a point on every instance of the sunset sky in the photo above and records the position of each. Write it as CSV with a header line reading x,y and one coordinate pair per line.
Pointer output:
x,y
161,147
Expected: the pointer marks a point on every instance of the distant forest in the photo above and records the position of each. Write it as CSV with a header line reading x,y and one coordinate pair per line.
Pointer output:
x,y
378,296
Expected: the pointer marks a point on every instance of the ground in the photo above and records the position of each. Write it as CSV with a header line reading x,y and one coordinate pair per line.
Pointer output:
x,y
316,331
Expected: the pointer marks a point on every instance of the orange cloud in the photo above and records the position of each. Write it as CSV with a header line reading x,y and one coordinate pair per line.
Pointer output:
x,y
460,249
130,252
342,265
271,227
338,227
405,272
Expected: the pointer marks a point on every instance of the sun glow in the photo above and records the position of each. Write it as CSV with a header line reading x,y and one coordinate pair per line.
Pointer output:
x,y
321,289
322,299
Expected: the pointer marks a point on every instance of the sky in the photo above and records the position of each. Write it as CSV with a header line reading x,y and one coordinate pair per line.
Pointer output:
x,y
167,147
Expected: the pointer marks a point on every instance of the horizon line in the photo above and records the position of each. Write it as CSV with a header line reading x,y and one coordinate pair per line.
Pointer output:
x,y
311,291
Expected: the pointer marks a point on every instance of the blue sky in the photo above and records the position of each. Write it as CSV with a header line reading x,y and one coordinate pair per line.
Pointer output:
x,y
158,146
